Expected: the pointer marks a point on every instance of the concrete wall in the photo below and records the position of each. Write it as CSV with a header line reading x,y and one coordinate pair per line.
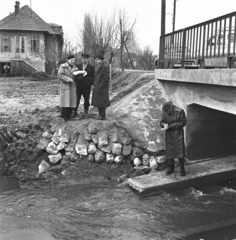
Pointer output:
x,y
208,98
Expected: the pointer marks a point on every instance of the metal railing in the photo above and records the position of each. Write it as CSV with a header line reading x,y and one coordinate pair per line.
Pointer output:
x,y
211,42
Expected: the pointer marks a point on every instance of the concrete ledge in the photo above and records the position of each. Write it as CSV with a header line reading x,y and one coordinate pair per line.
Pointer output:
x,y
197,174
222,77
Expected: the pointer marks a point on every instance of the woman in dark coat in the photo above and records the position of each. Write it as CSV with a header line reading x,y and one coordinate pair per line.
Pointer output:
x,y
100,97
173,121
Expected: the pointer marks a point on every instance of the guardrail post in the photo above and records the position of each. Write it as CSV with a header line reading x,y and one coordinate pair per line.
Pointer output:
x,y
183,49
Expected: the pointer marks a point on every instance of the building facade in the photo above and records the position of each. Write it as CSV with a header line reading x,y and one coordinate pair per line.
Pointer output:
x,y
27,43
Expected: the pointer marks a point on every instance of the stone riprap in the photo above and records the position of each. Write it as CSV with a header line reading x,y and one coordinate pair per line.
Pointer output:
x,y
93,141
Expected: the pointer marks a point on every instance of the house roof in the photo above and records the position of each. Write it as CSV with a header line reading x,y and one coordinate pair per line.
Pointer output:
x,y
27,20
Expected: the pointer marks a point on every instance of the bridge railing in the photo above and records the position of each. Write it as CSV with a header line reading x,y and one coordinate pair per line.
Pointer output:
x,y
207,44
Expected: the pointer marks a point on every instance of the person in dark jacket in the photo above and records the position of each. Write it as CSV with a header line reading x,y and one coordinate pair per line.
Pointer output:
x,y
84,83
100,97
173,121
68,99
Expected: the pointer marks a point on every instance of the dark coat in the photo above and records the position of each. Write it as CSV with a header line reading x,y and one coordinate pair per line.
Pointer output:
x,y
86,81
68,97
100,96
175,147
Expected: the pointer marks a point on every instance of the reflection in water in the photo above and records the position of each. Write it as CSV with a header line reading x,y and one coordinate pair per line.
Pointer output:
x,y
104,211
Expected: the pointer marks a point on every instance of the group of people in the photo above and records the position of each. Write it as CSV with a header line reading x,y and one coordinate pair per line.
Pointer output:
x,y
78,81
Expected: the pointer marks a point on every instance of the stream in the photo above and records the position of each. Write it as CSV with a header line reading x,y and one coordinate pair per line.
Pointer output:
x,y
109,212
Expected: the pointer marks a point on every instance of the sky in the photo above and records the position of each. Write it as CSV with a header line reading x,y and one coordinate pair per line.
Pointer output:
x,y
69,14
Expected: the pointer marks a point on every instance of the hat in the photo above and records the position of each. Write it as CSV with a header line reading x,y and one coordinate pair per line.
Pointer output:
x,y
70,57
84,55
167,107
99,55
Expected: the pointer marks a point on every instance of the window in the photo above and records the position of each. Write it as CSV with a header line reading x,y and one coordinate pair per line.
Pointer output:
x,y
6,43
20,44
34,43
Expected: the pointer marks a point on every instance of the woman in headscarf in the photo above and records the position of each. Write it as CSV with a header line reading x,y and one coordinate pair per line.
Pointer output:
x,y
173,121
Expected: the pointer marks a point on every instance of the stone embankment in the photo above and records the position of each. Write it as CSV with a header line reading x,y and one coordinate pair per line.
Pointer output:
x,y
98,142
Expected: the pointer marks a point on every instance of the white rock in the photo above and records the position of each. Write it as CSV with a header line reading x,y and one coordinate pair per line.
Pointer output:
x,y
55,158
43,143
116,148
52,148
102,139
109,158
65,138
126,150
118,159
99,156
145,159
47,134
43,166
153,163
81,147
161,159
92,148
137,161
61,146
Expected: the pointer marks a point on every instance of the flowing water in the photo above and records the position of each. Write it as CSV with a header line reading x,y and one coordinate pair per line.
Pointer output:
x,y
106,211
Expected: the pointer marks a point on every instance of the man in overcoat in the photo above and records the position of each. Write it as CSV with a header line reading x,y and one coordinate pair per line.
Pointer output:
x,y
68,98
173,121
100,97
84,83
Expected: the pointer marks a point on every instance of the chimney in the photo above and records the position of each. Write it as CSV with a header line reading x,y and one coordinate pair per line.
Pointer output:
x,y
17,7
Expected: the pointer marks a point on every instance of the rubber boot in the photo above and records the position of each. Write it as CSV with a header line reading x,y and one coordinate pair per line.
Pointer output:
x,y
181,167
171,166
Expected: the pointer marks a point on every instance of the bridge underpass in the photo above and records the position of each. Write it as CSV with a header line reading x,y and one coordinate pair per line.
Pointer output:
x,y
209,100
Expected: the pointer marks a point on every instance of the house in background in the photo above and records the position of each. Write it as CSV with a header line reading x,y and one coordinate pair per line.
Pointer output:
x,y
27,43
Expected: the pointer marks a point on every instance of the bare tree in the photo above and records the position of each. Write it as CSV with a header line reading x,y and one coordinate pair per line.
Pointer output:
x,y
98,34
146,58
126,32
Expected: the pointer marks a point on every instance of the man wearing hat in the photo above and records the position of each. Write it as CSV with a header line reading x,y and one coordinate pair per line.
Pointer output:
x,y
68,98
173,122
84,83
100,97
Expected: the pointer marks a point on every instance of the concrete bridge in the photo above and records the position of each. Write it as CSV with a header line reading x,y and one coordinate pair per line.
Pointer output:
x,y
208,97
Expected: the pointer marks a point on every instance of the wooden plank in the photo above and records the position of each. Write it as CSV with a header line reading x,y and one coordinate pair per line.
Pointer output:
x,y
196,174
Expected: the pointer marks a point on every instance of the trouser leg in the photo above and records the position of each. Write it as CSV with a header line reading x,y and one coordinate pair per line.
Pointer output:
x,y
170,166
181,166
66,112
86,95
102,112
79,94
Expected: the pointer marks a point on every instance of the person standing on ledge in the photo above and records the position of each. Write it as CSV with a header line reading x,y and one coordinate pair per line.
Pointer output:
x,y
68,98
100,97
172,122
84,83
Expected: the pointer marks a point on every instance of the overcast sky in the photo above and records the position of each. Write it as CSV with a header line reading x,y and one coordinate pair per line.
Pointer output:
x,y
69,14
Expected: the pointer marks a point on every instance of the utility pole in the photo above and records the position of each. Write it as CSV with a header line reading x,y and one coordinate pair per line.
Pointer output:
x,y
163,31
174,11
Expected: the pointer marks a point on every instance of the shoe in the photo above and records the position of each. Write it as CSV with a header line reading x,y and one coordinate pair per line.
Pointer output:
x,y
182,172
74,114
63,120
100,118
169,171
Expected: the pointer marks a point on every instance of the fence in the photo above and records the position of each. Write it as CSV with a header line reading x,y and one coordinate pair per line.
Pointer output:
x,y
207,44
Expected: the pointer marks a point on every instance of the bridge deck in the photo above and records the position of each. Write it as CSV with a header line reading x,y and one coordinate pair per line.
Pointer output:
x,y
196,174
